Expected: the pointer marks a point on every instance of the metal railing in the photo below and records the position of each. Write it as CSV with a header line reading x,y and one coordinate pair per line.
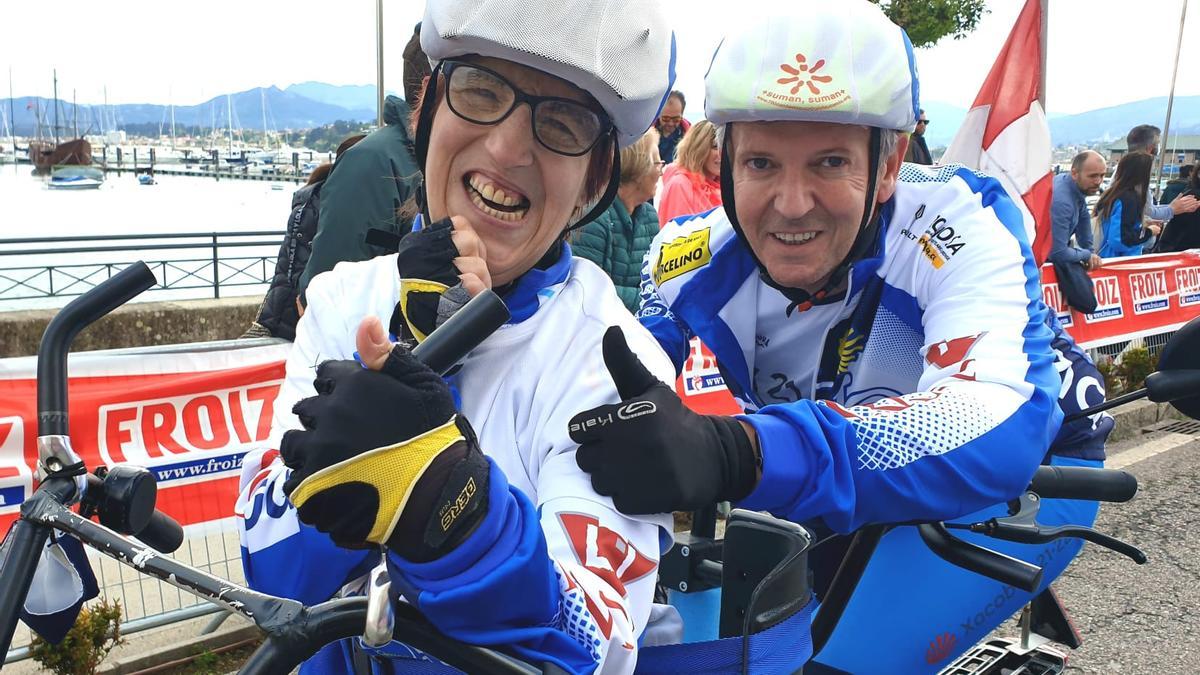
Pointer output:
x,y
52,267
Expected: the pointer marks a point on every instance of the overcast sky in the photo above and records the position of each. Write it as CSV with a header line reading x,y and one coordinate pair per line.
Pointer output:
x,y
1101,52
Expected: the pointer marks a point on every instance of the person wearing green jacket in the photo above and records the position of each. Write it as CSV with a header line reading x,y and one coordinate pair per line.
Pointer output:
x,y
366,191
617,240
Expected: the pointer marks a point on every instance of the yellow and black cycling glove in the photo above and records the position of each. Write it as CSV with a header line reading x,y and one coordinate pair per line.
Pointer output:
x,y
430,291
384,458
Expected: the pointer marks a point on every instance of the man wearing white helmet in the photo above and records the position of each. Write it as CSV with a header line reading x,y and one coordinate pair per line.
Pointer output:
x,y
881,325
471,484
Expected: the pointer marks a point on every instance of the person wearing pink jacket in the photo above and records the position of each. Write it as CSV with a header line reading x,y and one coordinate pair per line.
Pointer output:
x,y
693,183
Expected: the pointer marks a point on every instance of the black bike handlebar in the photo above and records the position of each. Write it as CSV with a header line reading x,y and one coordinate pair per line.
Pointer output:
x,y
62,329
1083,482
461,333
992,564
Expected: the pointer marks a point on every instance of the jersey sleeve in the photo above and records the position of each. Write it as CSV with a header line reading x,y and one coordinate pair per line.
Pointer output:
x,y
567,580
655,313
280,555
985,411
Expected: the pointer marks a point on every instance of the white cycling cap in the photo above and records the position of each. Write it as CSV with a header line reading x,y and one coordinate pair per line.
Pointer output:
x,y
622,52
840,61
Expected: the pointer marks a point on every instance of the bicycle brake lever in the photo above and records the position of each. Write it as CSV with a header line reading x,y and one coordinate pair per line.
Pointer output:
x,y
380,621
1023,528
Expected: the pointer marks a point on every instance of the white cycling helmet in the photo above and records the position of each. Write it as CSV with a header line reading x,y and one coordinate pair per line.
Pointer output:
x,y
622,52
834,61
840,61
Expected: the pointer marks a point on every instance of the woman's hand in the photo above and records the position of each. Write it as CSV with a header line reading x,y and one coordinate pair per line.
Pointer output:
x,y
472,256
1154,228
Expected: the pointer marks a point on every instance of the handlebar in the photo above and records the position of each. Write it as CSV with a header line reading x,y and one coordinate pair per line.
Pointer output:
x,y
992,564
1082,482
461,333
62,329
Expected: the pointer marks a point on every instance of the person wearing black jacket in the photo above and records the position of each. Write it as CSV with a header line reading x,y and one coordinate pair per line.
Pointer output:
x,y
1183,231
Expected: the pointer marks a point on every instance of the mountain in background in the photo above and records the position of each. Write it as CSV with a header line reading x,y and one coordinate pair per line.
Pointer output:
x,y
349,96
1098,127
313,104
283,110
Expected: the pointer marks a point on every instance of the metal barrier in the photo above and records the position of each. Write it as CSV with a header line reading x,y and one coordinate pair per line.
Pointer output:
x,y
65,270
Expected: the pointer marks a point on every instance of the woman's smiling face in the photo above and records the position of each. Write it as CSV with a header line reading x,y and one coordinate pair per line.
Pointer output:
x,y
517,194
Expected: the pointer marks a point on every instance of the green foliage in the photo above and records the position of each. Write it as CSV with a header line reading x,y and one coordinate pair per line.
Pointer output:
x,y
205,662
927,21
1112,383
96,632
1133,367
330,136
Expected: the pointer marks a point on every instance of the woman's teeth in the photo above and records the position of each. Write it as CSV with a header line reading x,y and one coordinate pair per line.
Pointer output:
x,y
794,238
494,201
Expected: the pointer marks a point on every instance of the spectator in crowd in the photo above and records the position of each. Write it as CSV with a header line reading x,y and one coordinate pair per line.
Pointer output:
x,y
281,308
1177,186
1069,214
1122,206
693,183
374,187
671,126
617,240
918,151
1183,231
1145,138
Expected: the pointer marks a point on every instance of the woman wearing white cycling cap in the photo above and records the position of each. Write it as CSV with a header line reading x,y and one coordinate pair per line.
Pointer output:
x,y
470,483
881,325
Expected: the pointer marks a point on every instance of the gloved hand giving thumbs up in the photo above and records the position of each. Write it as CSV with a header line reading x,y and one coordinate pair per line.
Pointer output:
x,y
650,453
384,457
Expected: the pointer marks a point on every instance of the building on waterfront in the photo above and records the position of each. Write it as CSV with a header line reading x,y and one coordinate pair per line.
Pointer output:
x,y
1178,150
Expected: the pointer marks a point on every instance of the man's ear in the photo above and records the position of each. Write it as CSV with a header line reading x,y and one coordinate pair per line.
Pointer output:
x,y
891,170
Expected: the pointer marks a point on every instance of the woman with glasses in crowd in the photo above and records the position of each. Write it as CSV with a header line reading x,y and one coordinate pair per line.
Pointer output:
x,y
693,183
470,483
618,240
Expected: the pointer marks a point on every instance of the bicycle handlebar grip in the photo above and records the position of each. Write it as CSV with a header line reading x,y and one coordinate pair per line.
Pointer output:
x,y
461,333
1083,482
62,329
992,564
162,533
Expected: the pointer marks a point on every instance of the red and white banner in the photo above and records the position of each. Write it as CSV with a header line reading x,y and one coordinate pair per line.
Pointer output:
x,y
188,413
1136,297
1005,134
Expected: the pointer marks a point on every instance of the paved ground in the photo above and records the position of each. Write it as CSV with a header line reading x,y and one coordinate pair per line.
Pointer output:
x,y
1142,619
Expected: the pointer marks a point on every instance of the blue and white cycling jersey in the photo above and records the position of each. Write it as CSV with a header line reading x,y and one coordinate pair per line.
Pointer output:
x,y
553,573
931,388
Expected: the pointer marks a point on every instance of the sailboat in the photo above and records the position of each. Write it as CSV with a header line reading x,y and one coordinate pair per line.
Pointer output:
x,y
45,154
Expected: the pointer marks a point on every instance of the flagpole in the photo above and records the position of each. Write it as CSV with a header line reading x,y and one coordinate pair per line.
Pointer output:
x,y
1045,32
1162,151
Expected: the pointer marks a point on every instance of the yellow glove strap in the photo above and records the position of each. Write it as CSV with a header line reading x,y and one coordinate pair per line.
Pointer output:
x,y
417,286
392,471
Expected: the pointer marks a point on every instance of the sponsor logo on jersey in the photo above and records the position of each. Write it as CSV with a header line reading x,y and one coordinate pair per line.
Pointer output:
x,y
700,383
1108,299
604,552
682,255
949,352
940,242
803,86
1054,298
1148,290
849,348
1187,280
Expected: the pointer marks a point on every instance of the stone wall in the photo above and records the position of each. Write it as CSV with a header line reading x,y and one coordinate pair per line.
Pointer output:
x,y
136,325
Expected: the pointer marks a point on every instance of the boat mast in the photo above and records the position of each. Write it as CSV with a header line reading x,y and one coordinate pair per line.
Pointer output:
x,y
56,106
262,99
74,113
171,95
12,113
229,106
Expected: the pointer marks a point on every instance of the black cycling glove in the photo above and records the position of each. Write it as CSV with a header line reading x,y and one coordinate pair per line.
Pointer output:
x,y
650,453
385,459
430,291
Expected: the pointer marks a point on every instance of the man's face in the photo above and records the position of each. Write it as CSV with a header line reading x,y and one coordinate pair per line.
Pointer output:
x,y
671,117
1089,177
922,124
800,188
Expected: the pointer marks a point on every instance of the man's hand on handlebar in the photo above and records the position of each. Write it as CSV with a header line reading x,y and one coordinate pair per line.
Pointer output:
x,y
650,453
384,457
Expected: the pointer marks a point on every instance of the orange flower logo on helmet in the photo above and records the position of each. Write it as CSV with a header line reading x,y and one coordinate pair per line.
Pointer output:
x,y
804,75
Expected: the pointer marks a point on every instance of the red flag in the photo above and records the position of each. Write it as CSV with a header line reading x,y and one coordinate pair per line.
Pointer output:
x,y
1006,134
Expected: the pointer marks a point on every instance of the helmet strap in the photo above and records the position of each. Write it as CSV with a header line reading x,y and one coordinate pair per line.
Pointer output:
x,y
868,227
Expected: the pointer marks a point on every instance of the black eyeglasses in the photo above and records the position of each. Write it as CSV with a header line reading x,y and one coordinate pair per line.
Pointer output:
x,y
925,122
483,96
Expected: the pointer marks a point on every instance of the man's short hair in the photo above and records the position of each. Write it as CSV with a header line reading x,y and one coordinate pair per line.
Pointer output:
x,y
1079,160
1185,172
1142,138
676,94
